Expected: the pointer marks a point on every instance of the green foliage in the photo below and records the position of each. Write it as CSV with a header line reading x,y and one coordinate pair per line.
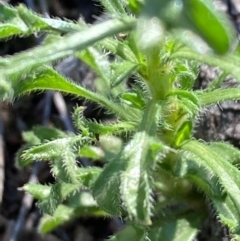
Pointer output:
x,y
156,177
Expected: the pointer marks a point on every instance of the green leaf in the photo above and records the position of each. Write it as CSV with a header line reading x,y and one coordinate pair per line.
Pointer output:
x,y
111,144
119,48
61,215
133,233
183,133
48,79
91,152
227,152
227,212
209,23
44,133
139,156
10,23
135,99
113,6
22,21
228,63
36,23
203,178
23,62
98,61
6,87
106,189
182,229
79,205
38,191
58,193
122,71
65,167
219,95
88,176
229,176
135,5
47,151
186,74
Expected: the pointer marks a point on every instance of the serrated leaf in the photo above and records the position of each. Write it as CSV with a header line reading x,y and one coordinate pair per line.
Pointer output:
x,y
23,62
229,176
228,63
139,156
10,23
31,138
135,180
47,151
113,6
36,23
58,193
40,134
6,87
49,79
67,166
227,212
202,177
22,21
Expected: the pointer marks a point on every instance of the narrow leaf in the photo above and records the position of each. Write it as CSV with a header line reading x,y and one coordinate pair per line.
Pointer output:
x,y
113,6
139,156
203,178
219,95
49,79
119,48
47,151
38,191
183,229
227,152
133,233
228,63
66,46
121,72
79,205
98,61
106,189
227,212
229,176
58,193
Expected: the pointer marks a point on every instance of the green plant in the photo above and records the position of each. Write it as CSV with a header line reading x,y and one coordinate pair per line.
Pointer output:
x,y
157,177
